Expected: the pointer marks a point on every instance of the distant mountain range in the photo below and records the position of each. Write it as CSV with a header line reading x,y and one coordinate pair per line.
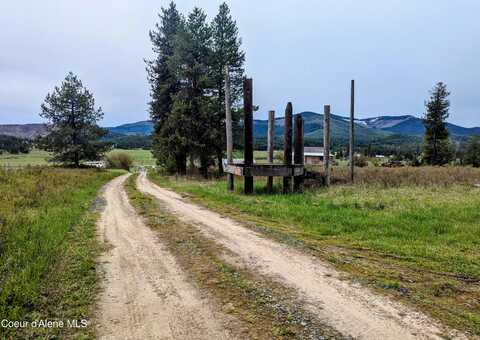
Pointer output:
x,y
410,125
26,131
144,128
401,129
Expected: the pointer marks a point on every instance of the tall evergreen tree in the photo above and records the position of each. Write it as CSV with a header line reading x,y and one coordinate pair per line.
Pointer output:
x,y
192,105
437,148
73,133
226,52
163,87
472,151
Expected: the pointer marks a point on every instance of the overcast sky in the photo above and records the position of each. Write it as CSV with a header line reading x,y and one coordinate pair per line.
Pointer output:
x,y
304,51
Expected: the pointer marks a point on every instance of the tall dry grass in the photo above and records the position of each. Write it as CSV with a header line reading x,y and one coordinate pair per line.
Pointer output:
x,y
408,176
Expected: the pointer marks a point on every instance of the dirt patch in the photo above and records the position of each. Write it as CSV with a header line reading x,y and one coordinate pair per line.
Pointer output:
x,y
144,293
263,308
349,308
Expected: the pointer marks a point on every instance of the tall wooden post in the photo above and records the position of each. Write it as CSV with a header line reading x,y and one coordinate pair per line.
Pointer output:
x,y
351,146
298,153
326,143
228,127
270,147
248,131
287,148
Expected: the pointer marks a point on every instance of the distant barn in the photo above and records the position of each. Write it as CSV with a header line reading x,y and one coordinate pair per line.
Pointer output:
x,y
315,155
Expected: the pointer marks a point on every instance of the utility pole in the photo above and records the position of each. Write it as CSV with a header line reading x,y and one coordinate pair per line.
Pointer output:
x,y
326,143
228,126
351,146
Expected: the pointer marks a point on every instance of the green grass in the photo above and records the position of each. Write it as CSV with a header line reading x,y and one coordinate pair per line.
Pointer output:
x,y
140,157
422,237
39,157
35,157
47,244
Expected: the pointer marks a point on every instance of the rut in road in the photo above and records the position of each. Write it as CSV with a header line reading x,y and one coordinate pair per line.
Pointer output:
x,y
347,307
144,294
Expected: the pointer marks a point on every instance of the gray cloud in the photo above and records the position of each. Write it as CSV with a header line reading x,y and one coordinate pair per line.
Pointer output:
x,y
303,51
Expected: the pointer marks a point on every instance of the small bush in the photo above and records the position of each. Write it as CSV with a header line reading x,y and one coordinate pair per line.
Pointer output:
x,y
119,160
361,161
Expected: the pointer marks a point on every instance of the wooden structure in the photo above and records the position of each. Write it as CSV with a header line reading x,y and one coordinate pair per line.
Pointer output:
x,y
287,146
270,146
351,148
299,156
248,169
293,159
326,142
228,125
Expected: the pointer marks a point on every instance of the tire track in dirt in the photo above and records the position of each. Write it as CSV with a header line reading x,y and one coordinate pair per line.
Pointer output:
x,y
144,294
352,310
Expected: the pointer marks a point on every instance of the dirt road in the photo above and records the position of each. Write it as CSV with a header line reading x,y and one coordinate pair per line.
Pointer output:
x,y
144,294
349,308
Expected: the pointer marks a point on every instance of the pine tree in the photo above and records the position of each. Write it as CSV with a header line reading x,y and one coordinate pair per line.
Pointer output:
x,y
192,109
226,52
163,87
472,151
73,133
437,148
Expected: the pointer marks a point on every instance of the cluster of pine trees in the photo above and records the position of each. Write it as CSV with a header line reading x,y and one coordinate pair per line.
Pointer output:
x,y
14,145
187,79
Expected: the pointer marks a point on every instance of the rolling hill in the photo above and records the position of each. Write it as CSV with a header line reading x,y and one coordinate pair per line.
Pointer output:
x,y
410,125
384,132
313,127
25,131
137,128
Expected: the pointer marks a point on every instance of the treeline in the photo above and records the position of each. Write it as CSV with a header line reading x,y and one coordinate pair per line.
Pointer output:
x,y
14,145
187,79
129,141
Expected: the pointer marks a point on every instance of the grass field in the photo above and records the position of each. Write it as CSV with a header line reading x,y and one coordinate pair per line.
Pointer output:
x,y
35,157
140,157
48,246
39,157
415,235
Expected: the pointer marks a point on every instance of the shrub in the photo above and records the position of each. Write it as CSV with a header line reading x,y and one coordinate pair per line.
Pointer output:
x,y
360,161
119,160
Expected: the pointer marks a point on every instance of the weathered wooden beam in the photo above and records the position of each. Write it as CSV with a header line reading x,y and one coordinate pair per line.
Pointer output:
x,y
265,170
287,148
248,131
351,145
298,153
228,127
326,143
270,146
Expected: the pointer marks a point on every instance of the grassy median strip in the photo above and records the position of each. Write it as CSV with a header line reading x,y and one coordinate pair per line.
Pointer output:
x,y
418,243
261,308
47,250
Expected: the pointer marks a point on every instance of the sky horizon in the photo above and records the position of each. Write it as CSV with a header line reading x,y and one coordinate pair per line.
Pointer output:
x,y
301,51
